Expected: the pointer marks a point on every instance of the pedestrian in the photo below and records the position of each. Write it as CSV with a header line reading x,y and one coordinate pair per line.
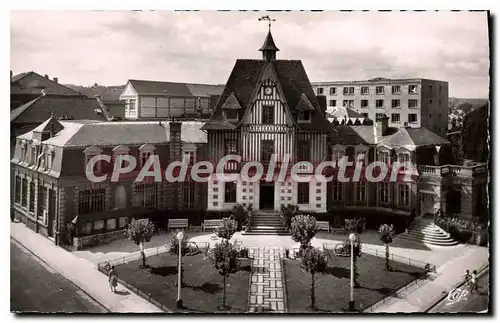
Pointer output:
x,y
113,279
467,277
473,281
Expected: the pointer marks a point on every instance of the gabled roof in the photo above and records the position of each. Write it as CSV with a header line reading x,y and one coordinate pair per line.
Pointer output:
x,y
292,78
32,83
143,87
41,108
354,135
269,43
413,137
304,104
343,112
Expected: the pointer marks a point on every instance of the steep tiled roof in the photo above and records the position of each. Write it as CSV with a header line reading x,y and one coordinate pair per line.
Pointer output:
x,y
143,87
40,109
88,133
292,78
269,43
354,135
32,83
413,137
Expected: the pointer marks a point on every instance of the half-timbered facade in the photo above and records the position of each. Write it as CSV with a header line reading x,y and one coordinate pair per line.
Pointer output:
x,y
267,110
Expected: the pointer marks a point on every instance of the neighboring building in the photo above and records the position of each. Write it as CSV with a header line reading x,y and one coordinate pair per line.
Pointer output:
x,y
267,107
108,95
27,86
407,102
147,100
52,192
475,135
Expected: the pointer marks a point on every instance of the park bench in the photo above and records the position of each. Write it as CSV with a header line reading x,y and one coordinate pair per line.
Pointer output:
x,y
178,224
323,226
211,224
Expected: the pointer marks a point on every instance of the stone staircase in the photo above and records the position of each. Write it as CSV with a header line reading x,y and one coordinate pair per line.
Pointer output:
x,y
424,231
266,223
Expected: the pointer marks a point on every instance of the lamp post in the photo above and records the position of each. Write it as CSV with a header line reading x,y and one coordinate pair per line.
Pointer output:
x,y
180,236
352,238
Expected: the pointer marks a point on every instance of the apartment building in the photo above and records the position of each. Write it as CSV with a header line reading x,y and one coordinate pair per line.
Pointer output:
x,y
407,102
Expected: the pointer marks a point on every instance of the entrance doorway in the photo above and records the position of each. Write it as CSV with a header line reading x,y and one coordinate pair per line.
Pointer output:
x,y
426,204
267,196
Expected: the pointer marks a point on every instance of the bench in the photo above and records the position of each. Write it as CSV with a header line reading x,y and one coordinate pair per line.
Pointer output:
x,y
211,224
323,226
178,224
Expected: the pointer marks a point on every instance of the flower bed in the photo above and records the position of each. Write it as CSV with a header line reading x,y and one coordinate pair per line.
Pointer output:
x,y
464,231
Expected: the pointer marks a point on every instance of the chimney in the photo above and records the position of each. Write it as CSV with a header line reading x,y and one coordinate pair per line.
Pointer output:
x,y
46,76
381,125
322,102
55,79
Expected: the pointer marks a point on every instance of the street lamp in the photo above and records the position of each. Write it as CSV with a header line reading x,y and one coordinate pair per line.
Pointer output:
x,y
352,238
180,236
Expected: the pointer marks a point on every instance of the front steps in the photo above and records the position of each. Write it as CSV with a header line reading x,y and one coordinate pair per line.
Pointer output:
x,y
266,223
425,231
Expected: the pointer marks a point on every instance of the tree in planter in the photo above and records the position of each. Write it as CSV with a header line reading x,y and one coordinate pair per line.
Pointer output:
x,y
356,226
386,234
287,213
303,228
226,229
314,262
140,231
240,214
225,260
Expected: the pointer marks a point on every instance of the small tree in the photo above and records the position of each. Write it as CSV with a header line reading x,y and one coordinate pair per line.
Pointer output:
x,y
140,231
287,213
240,214
303,229
313,261
225,260
386,234
226,229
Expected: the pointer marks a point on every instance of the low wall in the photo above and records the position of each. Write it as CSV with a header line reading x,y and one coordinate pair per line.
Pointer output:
x,y
97,239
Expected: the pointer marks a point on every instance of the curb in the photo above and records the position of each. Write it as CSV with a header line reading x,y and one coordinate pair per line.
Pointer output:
x,y
481,271
71,282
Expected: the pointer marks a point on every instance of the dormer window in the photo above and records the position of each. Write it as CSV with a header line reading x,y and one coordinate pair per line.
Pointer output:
x,y
50,158
23,145
305,116
145,151
33,159
89,153
117,152
231,115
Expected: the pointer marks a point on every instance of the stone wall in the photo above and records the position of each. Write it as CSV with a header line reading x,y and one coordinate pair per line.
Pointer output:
x,y
80,243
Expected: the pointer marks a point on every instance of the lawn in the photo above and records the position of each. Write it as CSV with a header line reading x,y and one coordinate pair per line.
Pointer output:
x,y
332,288
203,285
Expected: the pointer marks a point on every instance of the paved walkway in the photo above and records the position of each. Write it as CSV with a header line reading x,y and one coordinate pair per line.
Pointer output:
x,y
267,292
446,276
81,272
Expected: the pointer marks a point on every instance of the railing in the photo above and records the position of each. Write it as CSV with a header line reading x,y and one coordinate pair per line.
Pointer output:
x,y
466,171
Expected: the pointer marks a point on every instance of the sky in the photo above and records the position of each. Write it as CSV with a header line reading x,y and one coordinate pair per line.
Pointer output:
x,y
110,47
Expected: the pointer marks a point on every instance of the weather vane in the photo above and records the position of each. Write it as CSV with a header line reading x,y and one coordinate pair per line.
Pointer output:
x,y
267,18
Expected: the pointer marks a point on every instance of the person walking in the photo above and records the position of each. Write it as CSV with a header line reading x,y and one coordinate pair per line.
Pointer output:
x,y
113,279
467,277
473,281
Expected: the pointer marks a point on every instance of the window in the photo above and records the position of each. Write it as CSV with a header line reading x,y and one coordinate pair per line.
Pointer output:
x,y
230,192
361,157
412,117
33,159
190,156
319,91
333,91
430,102
32,197
337,191
379,90
268,114
348,90
146,196
348,103
231,114
91,152
403,158
384,192
130,106
50,158
396,104
42,203
230,146
122,222
144,157
412,89
379,104
337,155
98,225
91,201
305,116
361,191
304,150
188,195
404,194
364,104
395,118
384,156
267,149
86,228
303,193
18,190
110,224
412,103
23,151
365,115
365,90
24,197
333,103
396,89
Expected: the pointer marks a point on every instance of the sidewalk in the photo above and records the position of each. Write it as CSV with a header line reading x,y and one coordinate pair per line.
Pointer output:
x,y
447,276
82,273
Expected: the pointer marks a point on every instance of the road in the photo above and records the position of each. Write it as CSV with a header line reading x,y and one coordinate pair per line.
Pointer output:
x,y
35,287
462,301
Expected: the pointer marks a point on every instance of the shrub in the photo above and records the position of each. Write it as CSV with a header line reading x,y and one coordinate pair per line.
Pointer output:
x,y
303,228
287,213
226,229
242,215
140,231
314,262
188,248
356,225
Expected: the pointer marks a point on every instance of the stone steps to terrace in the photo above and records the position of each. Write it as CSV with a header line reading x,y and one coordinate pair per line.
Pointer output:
x,y
424,231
